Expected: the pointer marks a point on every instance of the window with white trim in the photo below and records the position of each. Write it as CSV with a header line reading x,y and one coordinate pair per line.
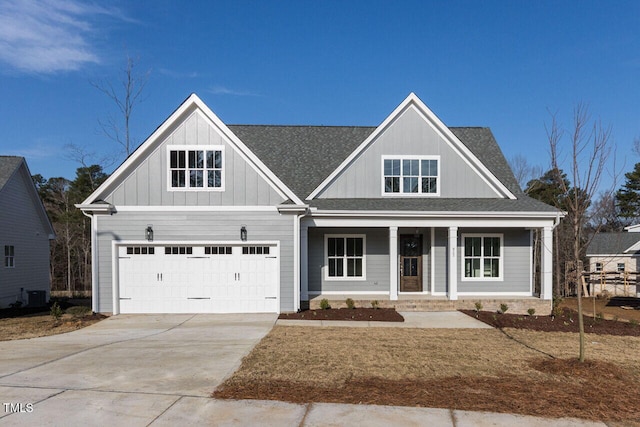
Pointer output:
x,y
415,175
196,167
598,267
620,267
483,256
9,256
345,257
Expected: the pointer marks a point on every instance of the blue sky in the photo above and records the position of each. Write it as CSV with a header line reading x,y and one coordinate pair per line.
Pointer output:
x,y
499,64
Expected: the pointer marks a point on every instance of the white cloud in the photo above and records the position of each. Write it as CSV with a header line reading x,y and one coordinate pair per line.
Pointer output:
x,y
49,36
179,74
221,90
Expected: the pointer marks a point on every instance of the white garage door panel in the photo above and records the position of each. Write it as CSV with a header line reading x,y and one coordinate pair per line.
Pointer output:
x,y
198,278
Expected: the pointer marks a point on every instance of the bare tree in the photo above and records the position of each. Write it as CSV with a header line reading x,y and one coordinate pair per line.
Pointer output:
x,y
590,147
522,170
126,95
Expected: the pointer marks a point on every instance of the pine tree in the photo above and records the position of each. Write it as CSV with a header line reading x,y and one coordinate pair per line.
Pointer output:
x,y
628,197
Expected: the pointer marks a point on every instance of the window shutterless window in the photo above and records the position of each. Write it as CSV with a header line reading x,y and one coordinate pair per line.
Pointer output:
x,y
414,175
482,258
598,267
345,256
9,256
620,267
196,167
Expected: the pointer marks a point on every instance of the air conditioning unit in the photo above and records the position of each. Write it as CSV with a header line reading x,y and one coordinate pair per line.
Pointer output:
x,y
37,298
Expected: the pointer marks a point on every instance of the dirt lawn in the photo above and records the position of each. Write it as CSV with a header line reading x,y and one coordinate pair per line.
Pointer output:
x,y
42,324
510,370
616,307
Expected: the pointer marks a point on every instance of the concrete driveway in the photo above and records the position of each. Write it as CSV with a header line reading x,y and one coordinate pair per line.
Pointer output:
x,y
128,367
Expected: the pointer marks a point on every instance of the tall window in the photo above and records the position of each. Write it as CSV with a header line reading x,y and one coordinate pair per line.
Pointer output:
x,y
345,257
9,256
482,257
196,167
411,176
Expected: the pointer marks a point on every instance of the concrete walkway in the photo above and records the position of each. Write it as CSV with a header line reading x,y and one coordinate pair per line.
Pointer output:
x,y
158,370
412,319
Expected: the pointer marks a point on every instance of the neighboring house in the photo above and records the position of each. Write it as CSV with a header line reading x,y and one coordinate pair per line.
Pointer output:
x,y
209,217
613,261
25,232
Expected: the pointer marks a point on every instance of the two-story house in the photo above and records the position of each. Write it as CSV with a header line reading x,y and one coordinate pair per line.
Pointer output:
x,y
216,218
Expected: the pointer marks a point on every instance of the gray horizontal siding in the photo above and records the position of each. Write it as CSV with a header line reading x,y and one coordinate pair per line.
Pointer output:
x,y
408,135
146,185
377,261
516,259
195,226
22,227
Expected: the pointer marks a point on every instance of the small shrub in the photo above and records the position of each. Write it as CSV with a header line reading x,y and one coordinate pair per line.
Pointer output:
x,y
616,318
350,303
375,304
503,308
324,304
78,311
633,323
56,311
478,305
16,304
531,311
556,310
605,295
495,318
599,316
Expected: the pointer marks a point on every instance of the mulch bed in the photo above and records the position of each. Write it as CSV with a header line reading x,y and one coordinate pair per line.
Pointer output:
x,y
571,392
565,321
357,314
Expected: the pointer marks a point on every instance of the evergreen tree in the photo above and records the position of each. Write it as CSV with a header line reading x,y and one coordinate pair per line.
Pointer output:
x,y
628,197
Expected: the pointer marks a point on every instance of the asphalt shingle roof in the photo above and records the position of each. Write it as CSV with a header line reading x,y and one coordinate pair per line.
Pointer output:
x,y
612,243
303,156
8,166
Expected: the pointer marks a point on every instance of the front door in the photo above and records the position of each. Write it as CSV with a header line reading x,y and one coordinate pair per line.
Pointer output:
x,y
411,263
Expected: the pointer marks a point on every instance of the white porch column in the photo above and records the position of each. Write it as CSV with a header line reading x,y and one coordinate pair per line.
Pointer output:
x,y
453,263
546,285
304,263
393,263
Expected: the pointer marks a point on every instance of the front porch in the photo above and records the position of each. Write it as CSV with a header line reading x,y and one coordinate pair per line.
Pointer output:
x,y
517,305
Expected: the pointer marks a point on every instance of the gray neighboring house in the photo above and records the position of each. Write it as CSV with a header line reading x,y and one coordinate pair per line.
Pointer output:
x,y
209,217
24,237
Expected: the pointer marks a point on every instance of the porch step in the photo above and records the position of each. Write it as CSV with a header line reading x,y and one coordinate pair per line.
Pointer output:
x,y
515,305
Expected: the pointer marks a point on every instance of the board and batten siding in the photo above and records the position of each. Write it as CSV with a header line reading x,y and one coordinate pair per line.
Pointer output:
x,y
147,183
23,228
195,226
377,261
409,135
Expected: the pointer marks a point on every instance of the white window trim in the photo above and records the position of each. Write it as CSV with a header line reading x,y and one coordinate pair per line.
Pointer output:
x,y
598,267
10,260
401,193
199,148
500,277
326,258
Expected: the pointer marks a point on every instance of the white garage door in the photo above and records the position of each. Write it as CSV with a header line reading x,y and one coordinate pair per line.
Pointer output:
x,y
213,278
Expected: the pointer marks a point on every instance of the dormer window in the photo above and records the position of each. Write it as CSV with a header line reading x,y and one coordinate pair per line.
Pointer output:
x,y
411,175
196,167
